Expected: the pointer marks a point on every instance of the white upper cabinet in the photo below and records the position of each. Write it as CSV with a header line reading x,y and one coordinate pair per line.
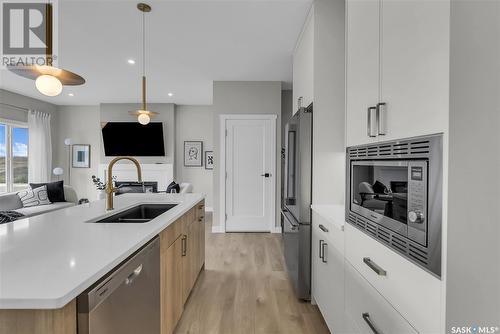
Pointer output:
x,y
415,66
362,68
303,66
398,65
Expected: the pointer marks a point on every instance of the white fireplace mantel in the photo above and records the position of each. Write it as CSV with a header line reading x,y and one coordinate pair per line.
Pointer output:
x,y
161,173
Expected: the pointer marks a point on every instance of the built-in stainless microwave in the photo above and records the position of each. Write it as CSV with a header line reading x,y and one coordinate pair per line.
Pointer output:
x,y
395,195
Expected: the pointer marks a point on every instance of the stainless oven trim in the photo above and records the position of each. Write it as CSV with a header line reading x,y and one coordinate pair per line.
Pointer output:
x,y
387,151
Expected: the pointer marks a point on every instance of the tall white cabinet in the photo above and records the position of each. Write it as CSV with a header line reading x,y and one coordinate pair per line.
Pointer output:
x,y
303,66
397,69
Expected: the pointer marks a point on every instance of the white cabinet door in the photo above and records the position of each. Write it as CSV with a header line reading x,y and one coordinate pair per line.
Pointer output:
x,y
328,272
371,312
415,66
303,65
362,67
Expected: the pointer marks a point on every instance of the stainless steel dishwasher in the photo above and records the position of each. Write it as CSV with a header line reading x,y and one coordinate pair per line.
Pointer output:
x,y
127,300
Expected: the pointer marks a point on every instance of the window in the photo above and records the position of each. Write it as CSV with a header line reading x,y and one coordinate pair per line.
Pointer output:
x,y
13,157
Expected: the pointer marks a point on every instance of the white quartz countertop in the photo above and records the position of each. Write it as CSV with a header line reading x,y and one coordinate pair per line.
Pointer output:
x,y
334,213
48,260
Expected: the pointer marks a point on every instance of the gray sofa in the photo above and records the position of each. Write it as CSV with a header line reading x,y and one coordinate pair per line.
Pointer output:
x,y
10,201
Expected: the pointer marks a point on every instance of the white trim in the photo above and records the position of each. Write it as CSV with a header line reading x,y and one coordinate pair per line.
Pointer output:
x,y
276,229
218,229
17,124
209,209
222,162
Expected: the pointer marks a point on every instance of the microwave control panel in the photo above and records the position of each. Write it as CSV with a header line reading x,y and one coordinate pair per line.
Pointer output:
x,y
417,202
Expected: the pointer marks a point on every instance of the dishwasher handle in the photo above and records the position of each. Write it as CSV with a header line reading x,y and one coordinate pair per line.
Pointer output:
x,y
137,271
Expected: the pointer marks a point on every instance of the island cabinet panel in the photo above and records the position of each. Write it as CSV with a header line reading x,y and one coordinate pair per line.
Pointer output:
x,y
58,321
201,231
171,283
182,257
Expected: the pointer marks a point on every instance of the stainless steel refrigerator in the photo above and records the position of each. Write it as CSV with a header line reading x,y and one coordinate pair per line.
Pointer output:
x,y
296,206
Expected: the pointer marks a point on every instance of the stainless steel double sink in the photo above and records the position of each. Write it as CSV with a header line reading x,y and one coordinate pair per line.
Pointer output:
x,y
141,213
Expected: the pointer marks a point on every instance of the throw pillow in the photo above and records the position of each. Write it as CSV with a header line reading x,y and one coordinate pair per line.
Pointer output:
x,y
175,186
380,188
34,197
55,190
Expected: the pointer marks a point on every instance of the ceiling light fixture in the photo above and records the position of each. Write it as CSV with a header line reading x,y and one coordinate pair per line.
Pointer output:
x,y
170,94
71,94
131,61
49,80
143,114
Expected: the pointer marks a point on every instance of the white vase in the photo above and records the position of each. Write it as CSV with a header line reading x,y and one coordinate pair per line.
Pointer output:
x,y
101,194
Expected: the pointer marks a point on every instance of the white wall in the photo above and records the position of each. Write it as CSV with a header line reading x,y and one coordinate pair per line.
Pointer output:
x,y
194,123
245,97
473,265
81,124
119,112
329,102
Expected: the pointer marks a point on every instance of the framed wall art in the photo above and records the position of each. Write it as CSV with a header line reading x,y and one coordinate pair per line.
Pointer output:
x,y
193,153
81,156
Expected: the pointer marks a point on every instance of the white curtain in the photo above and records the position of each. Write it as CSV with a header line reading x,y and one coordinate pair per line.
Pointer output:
x,y
39,147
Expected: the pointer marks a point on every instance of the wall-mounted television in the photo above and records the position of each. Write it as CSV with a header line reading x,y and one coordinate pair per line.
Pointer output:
x,y
133,139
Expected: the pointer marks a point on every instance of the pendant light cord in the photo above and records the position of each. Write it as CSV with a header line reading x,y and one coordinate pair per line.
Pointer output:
x,y
144,107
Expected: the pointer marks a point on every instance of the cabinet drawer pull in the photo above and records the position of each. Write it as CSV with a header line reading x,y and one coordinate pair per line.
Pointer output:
x,y
381,115
201,207
366,318
373,266
184,245
324,247
200,219
371,128
324,229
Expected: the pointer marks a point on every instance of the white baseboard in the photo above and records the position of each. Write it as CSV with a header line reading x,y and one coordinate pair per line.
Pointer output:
x,y
276,229
218,229
209,209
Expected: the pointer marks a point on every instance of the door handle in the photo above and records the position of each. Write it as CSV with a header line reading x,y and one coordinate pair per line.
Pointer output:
x,y
321,249
373,266
324,247
137,271
366,318
266,175
381,117
324,229
371,128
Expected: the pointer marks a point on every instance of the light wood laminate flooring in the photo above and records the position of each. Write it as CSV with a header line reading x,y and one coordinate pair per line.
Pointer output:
x,y
244,289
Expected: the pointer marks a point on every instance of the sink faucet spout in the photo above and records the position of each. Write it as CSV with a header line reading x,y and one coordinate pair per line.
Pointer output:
x,y
109,185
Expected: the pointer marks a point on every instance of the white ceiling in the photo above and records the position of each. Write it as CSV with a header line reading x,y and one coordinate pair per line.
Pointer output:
x,y
190,44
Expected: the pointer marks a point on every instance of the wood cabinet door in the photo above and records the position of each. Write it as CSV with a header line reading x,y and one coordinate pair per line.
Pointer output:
x,y
201,240
362,68
171,286
415,66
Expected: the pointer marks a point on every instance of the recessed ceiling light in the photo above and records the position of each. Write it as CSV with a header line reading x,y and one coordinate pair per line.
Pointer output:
x,y
170,94
131,61
71,94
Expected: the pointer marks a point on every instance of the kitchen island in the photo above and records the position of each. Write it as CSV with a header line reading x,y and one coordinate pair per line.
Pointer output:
x,y
46,261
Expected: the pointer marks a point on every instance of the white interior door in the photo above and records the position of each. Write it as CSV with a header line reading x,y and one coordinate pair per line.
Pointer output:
x,y
250,178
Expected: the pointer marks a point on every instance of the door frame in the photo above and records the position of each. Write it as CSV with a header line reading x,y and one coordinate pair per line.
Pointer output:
x,y
222,174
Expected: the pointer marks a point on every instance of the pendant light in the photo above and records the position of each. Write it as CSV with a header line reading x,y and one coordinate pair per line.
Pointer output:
x,y
143,114
49,80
